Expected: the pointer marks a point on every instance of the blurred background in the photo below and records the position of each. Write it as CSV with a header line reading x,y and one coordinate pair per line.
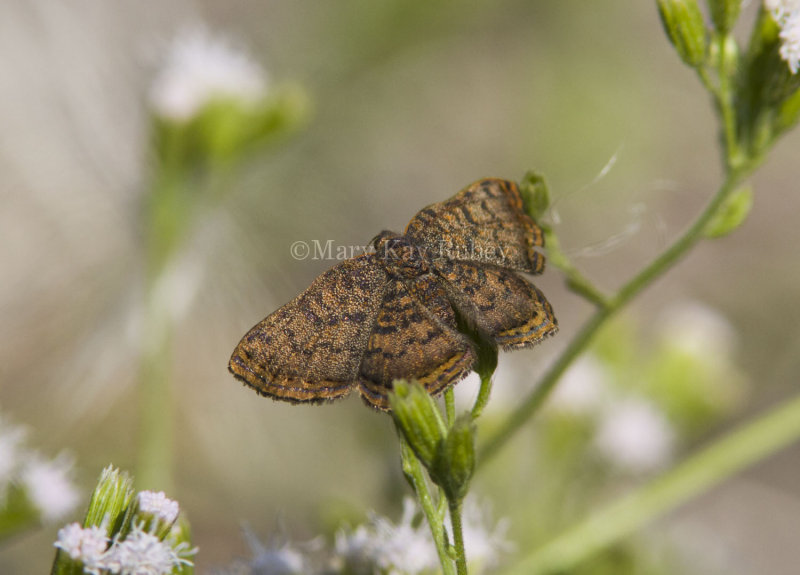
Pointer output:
x,y
403,104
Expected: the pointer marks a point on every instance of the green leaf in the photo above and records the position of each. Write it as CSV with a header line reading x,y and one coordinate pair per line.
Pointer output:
x,y
731,214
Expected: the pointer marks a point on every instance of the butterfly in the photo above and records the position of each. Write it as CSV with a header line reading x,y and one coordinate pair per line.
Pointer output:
x,y
398,310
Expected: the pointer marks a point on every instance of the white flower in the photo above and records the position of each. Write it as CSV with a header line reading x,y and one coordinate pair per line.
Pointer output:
x,y
787,14
11,438
143,553
483,547
583,387
158,504
635,435
393,549
698,330
86,545
49,486
278,560
200,68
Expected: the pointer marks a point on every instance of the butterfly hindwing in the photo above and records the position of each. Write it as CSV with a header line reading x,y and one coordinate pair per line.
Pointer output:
x,y
310,349
485,222
507,306
414,337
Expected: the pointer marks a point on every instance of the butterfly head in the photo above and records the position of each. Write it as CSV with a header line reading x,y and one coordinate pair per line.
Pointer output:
x,y
399,256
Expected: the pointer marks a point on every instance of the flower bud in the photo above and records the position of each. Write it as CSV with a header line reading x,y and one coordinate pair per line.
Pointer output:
x,y
535,194
685,28
417,419
110,500
455,463
724,13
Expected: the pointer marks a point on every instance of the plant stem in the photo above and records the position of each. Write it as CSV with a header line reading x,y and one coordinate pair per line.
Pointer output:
x,y
450,406
458,536
626,293
413,471
483,395
155,405
738,449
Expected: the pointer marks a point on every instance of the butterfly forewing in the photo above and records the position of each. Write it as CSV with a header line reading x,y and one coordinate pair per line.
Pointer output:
x,y
484,222
311,348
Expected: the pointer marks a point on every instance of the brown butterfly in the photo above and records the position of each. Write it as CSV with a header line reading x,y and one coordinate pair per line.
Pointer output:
x,y
395,312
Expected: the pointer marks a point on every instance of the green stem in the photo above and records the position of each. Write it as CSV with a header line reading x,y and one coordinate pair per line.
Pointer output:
x,y
450,406
458,536
155,399
483,395
413,470
626,293
576,281
737,450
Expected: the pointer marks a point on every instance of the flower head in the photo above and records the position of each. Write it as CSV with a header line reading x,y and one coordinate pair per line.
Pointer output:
x,y
583,387
393,549
635,435
142,553
159,505
698,330
84,544
485,546
11,438
787,15
273,560
201,68
49,486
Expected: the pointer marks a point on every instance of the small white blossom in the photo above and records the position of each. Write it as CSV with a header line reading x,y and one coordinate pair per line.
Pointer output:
x,y
787,14
158,504
142,553
484,547
49,486
393,549
86,545
201,68
698,330
583,388
635,435
277,560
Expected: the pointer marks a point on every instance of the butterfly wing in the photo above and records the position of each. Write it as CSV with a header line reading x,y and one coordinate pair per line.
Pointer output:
x,y
310,349
485,222
506,305
414,337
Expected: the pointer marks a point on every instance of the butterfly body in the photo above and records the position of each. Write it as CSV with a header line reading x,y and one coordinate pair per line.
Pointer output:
x,y
397,312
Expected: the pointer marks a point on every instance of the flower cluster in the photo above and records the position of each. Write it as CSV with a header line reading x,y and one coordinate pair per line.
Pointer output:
x,y
201,68
32,486
124,534
638,402
787,15
139,552
381,546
